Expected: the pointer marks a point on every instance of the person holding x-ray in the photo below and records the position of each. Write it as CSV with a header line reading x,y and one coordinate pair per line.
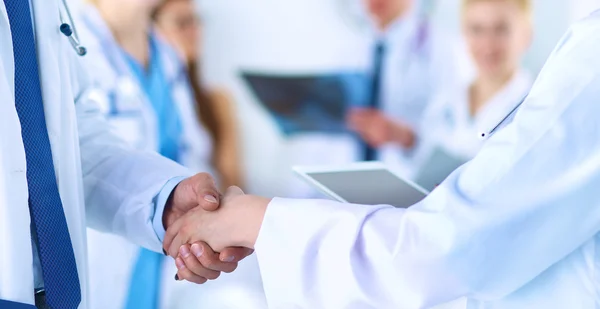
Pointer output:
x,y
409,60
517,227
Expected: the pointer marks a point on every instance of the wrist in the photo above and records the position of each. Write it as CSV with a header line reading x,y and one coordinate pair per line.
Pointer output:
x,y
404,136
252,219
169,215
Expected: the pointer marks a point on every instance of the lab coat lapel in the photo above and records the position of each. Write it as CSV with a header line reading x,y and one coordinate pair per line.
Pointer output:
x,y
59,89
6,49
16,274
47,21
503,102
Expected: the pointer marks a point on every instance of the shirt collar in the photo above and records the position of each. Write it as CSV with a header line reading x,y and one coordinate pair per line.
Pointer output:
x,y
401,29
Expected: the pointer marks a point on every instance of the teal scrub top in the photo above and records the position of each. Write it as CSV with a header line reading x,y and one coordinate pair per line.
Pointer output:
x,y
158,90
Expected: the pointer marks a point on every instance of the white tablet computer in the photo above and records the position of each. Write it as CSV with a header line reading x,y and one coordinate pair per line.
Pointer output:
x,y
370,183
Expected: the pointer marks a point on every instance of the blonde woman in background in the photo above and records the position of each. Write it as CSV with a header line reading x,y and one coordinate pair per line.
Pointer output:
x,y
498,33
151,103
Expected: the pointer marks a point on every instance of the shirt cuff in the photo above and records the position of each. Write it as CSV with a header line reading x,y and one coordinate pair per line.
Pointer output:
x,y
160,201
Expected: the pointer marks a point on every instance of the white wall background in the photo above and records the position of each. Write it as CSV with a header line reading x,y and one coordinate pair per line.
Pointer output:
x,y
305,35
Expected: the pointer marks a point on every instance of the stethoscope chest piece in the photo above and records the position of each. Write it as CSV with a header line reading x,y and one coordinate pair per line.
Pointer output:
x,y
69,30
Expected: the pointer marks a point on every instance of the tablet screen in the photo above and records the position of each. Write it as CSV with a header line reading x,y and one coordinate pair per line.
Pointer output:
x,y
370,187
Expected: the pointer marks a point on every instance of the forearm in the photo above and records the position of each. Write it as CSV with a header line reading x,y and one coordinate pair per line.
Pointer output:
x,y
323,254
381,257
520,200
121,185
250,220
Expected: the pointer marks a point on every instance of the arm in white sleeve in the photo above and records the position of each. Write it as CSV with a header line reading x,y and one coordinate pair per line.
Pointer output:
x,y
121,185
160,202
525,202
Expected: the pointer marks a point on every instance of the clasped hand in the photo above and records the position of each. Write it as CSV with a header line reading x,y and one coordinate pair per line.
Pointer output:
x,y
214,232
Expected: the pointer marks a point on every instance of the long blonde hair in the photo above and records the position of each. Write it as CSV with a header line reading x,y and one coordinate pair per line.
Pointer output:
x,y
526,6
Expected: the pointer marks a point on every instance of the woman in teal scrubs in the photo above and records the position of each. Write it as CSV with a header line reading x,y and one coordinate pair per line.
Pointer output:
x,y
151,104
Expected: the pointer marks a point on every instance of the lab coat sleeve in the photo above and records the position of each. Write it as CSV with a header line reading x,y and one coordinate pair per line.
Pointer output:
x,y
524,203
121,185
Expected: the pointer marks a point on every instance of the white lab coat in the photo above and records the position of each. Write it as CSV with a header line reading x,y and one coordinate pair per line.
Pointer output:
x,y
448,124
515,228
419,60
132,116
127,107
87,158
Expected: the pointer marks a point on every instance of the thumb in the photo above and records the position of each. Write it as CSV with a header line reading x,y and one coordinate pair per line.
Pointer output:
x,y
207,195
234,191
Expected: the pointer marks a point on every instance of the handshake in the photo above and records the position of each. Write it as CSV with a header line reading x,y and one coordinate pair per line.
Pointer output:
x,y
208,232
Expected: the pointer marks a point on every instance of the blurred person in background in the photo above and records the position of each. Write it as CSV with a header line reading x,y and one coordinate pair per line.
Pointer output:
x,y
498,33
151,104
409,60
177,22
180,25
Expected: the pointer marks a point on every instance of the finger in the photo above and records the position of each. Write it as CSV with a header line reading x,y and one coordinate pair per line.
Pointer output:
x,y
376,137
359,126
366,121
358,110
207,193
170,235
377,114
234,191
234,254
177,242
353,116
357,116
363,113
193,264
209,259
183,273
370,112
352,123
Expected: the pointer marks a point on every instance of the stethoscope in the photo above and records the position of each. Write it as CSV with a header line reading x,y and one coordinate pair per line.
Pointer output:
x,y
68,29
487,134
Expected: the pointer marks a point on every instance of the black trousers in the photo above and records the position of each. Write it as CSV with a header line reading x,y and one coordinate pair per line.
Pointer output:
x,y
40,301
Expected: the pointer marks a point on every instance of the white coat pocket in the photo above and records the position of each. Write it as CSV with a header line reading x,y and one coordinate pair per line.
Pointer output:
x,y
130,128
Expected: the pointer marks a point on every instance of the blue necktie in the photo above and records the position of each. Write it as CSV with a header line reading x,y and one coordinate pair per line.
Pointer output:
x,y
370,154
59,269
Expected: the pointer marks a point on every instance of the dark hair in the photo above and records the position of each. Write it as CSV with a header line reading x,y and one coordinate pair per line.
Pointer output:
x,y
204,103
205,106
